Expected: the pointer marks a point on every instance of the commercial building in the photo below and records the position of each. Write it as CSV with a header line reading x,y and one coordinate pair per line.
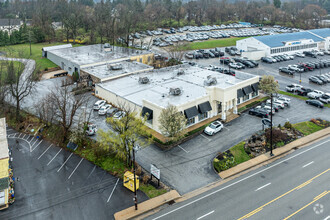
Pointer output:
x,y
73,59
57,47
4,165
289,43
198,93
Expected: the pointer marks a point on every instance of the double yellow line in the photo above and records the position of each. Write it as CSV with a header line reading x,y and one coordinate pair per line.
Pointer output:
x,y
298,187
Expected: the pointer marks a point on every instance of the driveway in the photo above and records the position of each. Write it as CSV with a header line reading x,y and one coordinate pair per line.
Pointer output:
x,y
52,183
188,167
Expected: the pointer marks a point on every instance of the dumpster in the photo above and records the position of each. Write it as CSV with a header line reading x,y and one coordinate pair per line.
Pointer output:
x,y
129,181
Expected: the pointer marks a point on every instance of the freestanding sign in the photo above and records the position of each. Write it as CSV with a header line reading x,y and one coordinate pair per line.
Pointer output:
x,y
155,172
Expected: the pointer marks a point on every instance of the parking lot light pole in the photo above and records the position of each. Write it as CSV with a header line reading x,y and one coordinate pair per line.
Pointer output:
x,y
271,124
135,196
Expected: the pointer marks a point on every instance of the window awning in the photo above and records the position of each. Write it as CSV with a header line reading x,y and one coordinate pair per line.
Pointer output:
x,y
239,93
191,112
204,107
148,112
255,87
247,90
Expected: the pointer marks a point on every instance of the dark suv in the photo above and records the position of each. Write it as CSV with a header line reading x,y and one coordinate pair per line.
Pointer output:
x,y
258,112
303,91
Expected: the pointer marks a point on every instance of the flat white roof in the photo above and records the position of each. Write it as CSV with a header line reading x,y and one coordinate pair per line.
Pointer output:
x,y
161,80
4,151
56,47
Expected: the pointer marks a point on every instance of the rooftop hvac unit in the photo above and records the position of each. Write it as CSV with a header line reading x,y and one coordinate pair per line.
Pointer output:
x,y
175,91
114,66
144,80
180,71
210,81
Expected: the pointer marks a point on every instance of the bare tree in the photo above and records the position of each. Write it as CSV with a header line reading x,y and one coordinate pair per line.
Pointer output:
x,y
21,83
45,110
66,105
3,86
176,51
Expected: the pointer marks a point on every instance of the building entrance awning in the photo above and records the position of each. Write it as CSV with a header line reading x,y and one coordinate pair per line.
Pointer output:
x,y
240,93
191,112
247,90
204,107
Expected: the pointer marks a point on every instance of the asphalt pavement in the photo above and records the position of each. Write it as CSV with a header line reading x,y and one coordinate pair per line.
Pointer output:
x,y
53,183
189,166
293,187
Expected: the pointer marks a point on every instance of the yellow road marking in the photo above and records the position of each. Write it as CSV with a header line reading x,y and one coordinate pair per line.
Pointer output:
x,y
314,200
298,187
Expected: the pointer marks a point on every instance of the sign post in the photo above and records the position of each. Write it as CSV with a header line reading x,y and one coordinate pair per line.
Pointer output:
x,y
155,172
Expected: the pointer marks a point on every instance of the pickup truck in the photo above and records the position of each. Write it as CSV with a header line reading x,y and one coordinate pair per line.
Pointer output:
x,y
325,98
293,87
315,94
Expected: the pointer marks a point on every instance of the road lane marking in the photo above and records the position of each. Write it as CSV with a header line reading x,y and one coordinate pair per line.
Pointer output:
x,y
205,137
209,213
241,180
183,149
314,200
262,187
36,146
279,197
54,157
307,164
64,163
113,190
75,168
44,151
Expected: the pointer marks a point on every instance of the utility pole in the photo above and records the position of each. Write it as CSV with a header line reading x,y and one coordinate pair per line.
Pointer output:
x,y
271,124
135,196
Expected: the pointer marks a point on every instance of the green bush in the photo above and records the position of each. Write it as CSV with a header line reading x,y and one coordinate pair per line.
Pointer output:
x,y
288,125
226,163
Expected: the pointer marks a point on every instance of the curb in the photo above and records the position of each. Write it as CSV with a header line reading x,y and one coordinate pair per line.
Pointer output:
x,y
131,213
278,152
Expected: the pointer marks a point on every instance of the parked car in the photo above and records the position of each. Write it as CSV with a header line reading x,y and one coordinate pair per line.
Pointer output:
x,y
303,91
103,110
189,55
315,103
91,129
258,112
119,115
293,87
315,94
266,108
315,80
112,111
286,70
213,128
295,68
266,60
285,100
98,104
275,106
325,98
300,55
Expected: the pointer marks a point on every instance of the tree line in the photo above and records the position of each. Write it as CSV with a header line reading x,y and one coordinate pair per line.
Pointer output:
x,y
106,21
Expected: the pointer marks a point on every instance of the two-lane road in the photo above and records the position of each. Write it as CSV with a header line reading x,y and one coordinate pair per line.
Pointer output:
x,y
295,187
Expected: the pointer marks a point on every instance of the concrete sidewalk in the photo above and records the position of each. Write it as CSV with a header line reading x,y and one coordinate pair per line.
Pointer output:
x,y
148,205
277,152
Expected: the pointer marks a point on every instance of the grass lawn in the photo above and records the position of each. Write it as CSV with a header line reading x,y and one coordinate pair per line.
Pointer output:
x,y
151,191
23,51
307,127
213,43
239,153
299,97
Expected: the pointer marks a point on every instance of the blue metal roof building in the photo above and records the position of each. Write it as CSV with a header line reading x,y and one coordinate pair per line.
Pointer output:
x,y
279,40
324,32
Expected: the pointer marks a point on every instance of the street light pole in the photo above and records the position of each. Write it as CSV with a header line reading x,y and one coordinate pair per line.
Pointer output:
x,y
135,196
271,124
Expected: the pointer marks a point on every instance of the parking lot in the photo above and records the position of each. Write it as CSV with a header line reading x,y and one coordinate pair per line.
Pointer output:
x,y
52,183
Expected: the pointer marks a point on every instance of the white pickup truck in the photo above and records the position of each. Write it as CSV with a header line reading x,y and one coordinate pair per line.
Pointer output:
x,y
293,87
315,94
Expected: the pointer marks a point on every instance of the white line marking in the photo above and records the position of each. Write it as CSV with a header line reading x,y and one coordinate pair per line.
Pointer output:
x,y
241,180
308,164
205,215
226,128
183,149
44,151
36,146
327,218
64,162
34,142
15,134
262,187
19,135
54,157
23,136
205,137
75,168
9,129
91,171
113,190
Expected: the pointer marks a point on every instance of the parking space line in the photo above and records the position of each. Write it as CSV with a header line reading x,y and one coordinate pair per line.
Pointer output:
x,y
54,157
75,168
205,137
64,162
33,142
226,128
36,146
24,136
44,151
91,171
113,190
19,135
15,135
183,149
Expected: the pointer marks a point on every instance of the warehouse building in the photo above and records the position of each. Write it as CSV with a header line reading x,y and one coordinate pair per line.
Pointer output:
x,y
198,93
4,165
289,43
73,59
57,47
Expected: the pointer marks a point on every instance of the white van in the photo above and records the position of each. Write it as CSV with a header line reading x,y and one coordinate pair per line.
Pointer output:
x,y
98,104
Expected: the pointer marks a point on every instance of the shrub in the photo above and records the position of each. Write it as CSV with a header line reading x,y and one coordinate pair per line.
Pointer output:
x,y
145,179
278,135
46,69
226,163
288,125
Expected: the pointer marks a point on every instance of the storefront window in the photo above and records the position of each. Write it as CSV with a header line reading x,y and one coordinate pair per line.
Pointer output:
x,y
191,121
254,94
202,116
238,100
246,97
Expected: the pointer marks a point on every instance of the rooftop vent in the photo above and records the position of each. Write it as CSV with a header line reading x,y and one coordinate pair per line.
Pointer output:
x,y
175,91
144,80
114,66
210,81
180,71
